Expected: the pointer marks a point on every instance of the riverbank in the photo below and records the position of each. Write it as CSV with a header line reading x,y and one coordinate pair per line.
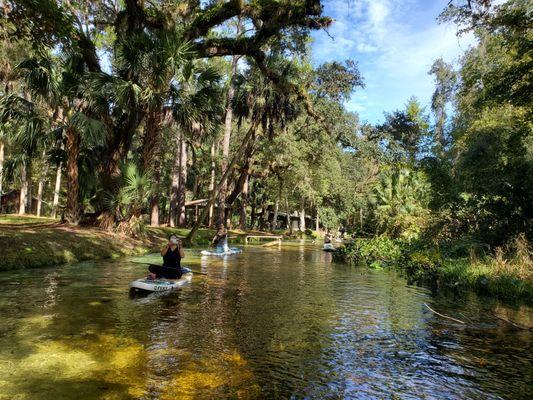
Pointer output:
x,y
504,275
33,243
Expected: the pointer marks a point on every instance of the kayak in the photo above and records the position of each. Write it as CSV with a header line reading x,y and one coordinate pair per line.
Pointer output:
x,y
329,247
230,251
161,285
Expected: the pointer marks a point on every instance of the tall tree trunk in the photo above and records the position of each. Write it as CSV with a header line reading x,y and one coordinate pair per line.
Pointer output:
x,y
276,206
212,183
150,158
57,188
23,189
40,187
222,181
252,216
72,212
29,190
317,221
289,225
302,215
1,172
264,217
175,181
244,204
154,201
182,192
228,121
275,219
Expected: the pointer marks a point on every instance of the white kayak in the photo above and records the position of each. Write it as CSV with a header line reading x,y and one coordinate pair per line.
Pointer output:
x,y
230,251
329,247
162,285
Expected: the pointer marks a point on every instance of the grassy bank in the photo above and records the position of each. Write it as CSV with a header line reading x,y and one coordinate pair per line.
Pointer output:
x,y
506,273
27,242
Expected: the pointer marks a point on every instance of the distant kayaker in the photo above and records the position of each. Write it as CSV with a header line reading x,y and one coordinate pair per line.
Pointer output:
x,y
172,254
220,240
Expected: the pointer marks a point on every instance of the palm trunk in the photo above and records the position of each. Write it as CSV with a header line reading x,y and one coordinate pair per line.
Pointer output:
x,y
244,205
221,211
212,183
302,215
154,201
40,196
72,212
29,190
182,192
175,179
57,188
23,189
40,186
1,172
150,158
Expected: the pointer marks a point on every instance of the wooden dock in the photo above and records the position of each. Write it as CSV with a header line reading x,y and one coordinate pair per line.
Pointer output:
x,y
274,238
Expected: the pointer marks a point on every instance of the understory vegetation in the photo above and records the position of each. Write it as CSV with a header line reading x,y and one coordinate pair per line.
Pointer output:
x,y
507,272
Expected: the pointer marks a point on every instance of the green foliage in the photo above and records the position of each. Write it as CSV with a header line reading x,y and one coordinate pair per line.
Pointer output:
x,y
407,127
375,252
421,264
337,81
131,195
400,198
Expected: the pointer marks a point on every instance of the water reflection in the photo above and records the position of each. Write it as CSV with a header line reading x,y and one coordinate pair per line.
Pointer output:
x,y
269,323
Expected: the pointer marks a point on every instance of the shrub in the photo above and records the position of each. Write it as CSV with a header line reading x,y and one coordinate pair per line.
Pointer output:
x,y
375,252
421,264
311,234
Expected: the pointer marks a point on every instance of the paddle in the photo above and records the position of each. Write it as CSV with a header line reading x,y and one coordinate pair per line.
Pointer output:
x,y
147,263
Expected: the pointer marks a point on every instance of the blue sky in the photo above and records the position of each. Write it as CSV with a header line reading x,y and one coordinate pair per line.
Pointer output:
x,y
395,43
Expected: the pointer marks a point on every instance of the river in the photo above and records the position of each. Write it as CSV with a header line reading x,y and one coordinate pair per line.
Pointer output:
x,y
274,323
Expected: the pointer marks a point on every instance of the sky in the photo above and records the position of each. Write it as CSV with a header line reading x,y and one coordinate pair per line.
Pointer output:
x,y
395,42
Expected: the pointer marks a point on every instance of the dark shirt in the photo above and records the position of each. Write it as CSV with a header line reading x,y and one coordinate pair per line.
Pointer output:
x,y
172,258
220,236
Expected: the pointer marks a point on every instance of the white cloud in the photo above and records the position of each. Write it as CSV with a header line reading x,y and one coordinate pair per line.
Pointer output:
x,y
395,42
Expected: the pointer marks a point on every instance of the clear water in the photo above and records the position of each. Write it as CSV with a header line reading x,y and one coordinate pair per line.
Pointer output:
x,y
269,323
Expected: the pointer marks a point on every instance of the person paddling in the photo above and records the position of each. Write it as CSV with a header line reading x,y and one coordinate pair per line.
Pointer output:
x,y
172,255
220,240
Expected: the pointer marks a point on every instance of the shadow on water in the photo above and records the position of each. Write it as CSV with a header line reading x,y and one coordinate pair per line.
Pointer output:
x,y
269,323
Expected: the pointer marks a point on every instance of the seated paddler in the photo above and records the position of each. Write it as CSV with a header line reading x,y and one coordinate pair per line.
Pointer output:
x,y
172,254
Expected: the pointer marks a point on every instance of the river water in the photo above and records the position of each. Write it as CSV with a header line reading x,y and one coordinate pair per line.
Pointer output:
x,y
274,323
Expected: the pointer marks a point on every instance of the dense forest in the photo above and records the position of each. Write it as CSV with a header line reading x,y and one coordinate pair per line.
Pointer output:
x,y
127,113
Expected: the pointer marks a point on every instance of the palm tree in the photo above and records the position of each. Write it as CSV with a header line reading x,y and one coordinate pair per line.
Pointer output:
x,y
196,109
259,101
400,198
25,132
130,196
60,84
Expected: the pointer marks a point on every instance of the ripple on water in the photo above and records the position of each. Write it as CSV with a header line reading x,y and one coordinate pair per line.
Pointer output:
x,y
269,323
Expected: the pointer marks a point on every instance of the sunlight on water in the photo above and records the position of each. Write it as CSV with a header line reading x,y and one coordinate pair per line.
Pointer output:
x,y
269,323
